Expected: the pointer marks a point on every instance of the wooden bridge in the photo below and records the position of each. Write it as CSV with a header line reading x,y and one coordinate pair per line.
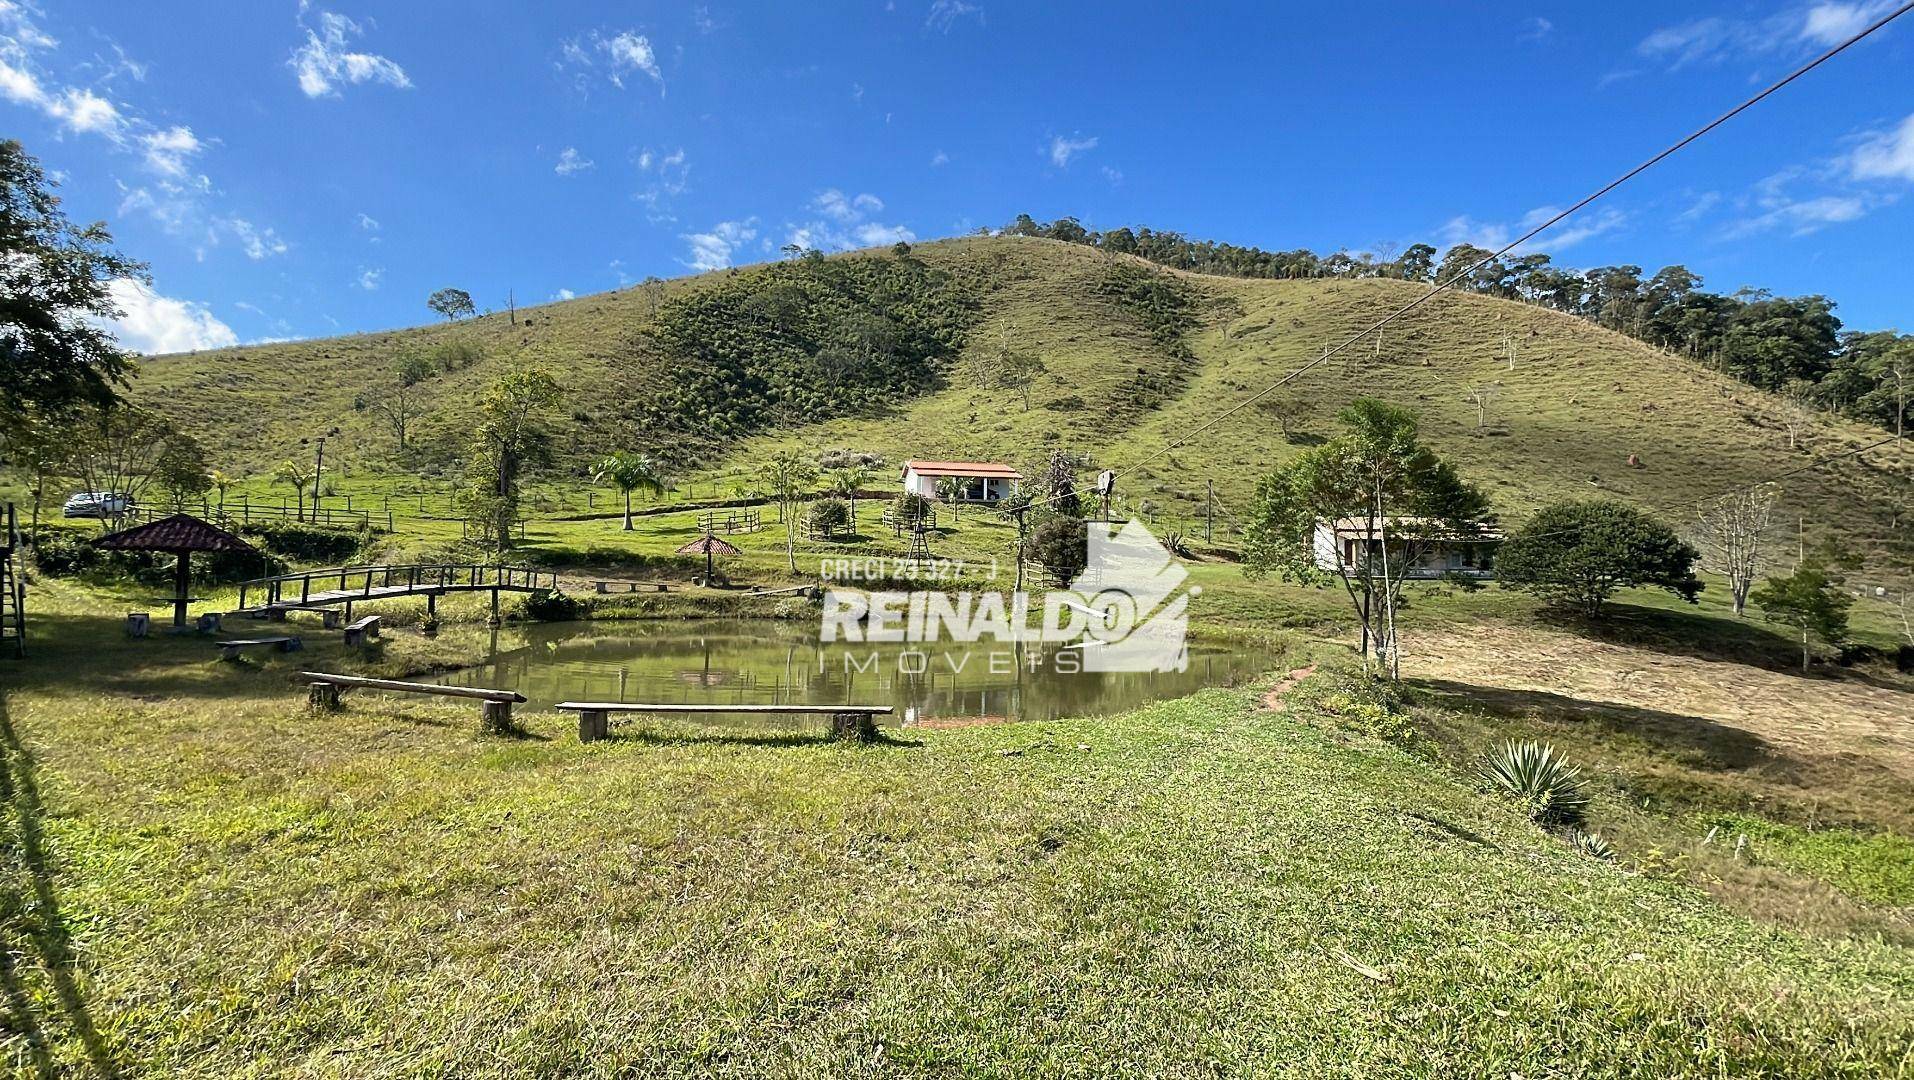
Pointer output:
x,y
272,597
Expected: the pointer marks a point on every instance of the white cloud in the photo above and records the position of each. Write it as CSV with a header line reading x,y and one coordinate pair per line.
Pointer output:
x,y
1790,32
369,278
872,234
151,323
944,14
1494,234
83,110
939,159
256,243
167,151
1833,23
834,204
19,86
1799,217
1886,155
571,162
368,222
564,294
622,54
1063,149
1536,28
712,250
1112,174
670,177
325,62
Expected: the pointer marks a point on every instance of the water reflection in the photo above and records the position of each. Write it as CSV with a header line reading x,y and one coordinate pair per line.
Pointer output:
x,y
744,661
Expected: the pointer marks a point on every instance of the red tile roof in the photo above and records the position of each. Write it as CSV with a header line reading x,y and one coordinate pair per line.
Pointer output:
x,y
962,468
181,532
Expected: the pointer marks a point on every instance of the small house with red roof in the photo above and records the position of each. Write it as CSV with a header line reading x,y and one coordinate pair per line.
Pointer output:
x,y
978,481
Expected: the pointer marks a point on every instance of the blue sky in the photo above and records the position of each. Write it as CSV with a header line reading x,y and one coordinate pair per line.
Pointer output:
x,y
298,169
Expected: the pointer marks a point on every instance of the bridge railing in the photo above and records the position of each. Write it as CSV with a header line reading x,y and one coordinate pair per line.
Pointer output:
x,y
366,580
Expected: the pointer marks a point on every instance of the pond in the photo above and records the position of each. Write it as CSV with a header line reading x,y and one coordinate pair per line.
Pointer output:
x,y
770,662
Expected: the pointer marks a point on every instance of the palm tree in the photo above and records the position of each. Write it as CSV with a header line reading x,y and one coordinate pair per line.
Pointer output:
x,y
850,480
629,472
788,477
221,481
298,477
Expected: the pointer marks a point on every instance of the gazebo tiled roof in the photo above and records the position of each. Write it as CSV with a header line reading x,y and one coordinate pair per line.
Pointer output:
x,y
181,532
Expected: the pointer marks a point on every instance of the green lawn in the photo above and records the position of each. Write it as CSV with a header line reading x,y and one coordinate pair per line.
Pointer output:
x,y
206,880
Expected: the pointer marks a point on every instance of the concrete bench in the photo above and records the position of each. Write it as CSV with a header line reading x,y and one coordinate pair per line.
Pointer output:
x,y
229,650
357,632
495,706
856,722
605,586
329,617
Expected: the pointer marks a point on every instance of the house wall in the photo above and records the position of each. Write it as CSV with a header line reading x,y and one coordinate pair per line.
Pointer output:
x,y
993,487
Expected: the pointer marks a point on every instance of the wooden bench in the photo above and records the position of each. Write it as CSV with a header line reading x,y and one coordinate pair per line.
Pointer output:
x,y
847,721
605,586
229,650
357,632
495,706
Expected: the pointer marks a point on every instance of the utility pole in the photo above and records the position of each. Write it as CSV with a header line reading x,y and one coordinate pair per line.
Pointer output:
x,y
1209,512
511,305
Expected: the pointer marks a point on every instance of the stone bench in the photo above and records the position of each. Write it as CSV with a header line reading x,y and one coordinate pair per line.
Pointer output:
x,y
360,630
857,722
229,650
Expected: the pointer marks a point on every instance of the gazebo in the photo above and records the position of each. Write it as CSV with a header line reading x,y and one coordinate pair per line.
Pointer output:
x,y
179,535
708,546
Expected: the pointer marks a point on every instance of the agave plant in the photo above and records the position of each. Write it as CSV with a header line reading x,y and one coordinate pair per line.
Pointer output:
x,y
1535,775
1590,844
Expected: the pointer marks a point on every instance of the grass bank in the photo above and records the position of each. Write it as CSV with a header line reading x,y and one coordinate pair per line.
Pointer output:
x,y
206,880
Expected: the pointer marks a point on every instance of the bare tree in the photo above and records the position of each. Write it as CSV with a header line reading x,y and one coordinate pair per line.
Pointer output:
x,y
1729,532
120,452
1482,395
1797,412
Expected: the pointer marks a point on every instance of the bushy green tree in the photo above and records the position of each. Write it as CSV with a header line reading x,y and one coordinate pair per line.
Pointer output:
x,y
1812,599
451,303
182,471
1060,544
1402,499
1576,554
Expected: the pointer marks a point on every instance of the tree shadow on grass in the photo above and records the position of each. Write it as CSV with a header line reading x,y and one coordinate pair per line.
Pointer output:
x,y
1707,637
1650,747
37,944
770,739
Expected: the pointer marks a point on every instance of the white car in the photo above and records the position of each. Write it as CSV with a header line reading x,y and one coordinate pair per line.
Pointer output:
x,y
97,504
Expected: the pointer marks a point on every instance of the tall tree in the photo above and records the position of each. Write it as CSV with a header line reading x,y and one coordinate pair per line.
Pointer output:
x,y
510,436
1731,530
451,303
788,479
117,450
848,480
55,294
629,472
1379,480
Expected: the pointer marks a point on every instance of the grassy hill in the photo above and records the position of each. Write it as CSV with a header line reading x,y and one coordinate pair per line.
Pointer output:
x,y
1564,420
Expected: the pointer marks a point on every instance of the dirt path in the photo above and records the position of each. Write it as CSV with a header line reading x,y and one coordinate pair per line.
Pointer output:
x,y
1813,715
1274,699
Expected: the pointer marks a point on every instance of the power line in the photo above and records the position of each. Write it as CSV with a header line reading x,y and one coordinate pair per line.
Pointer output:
x,y
1443,286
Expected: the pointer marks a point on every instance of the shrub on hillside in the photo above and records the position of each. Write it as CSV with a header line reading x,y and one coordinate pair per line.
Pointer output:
x,y
829,515
306,543
806,340
1576,554
908,508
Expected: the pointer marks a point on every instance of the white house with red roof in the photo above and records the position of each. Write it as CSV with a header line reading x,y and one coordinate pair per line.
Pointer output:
x,y
979,481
